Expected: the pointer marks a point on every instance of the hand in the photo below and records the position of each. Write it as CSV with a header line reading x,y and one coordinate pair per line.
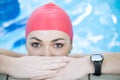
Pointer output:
x,y
33,66
75,69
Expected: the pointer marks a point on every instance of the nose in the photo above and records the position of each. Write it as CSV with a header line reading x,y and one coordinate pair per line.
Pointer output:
x,y
47,51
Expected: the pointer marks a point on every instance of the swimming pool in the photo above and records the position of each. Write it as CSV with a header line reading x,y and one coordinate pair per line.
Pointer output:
x,y
96,23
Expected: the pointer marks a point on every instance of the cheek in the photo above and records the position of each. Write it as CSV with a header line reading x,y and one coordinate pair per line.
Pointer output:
x,y
34,52
67,49
62,52
31,51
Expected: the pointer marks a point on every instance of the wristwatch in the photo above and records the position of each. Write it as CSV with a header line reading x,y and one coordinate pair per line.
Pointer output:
x,y
97,59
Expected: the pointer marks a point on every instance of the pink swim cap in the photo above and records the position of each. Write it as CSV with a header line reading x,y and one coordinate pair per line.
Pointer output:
x,y
49,17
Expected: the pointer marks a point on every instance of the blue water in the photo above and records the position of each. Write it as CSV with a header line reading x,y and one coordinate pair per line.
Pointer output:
x,y
96,23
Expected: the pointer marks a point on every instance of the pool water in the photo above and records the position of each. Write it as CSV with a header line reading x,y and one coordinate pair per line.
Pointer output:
x,y
96,23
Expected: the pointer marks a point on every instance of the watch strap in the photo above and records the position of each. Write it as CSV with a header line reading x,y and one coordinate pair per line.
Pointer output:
x,y
97,65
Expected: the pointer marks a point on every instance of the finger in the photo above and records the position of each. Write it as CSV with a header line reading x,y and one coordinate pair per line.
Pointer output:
x,y
49,74
61,59
54,66
43,77
54,59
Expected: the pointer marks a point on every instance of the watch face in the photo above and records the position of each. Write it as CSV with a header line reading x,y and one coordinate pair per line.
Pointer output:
x,y
96,57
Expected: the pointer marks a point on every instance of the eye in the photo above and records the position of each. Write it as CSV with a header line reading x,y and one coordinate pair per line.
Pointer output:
x,y
58,45
35,45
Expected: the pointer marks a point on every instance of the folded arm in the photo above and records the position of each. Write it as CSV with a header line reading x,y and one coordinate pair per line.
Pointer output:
x,y
10,53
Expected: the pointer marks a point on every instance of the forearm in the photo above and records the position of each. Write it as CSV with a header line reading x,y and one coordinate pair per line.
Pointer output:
x,y
78,55
10,53
4,61
111,63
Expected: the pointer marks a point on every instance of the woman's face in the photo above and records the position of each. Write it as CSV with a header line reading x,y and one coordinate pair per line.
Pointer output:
x,y
48,43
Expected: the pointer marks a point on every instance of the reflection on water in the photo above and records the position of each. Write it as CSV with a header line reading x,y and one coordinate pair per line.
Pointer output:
x,y
96,23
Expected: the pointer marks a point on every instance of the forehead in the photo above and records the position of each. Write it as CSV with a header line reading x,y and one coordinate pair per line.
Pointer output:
x,y
48,34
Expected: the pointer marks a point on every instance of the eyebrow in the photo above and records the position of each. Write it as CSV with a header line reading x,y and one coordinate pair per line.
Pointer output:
x,y
36,39
57,39
51,41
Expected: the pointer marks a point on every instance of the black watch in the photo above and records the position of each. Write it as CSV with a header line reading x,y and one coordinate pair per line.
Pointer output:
x,y
97,59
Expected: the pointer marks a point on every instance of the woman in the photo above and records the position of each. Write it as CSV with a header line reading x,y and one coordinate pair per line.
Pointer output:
x,y
49,33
